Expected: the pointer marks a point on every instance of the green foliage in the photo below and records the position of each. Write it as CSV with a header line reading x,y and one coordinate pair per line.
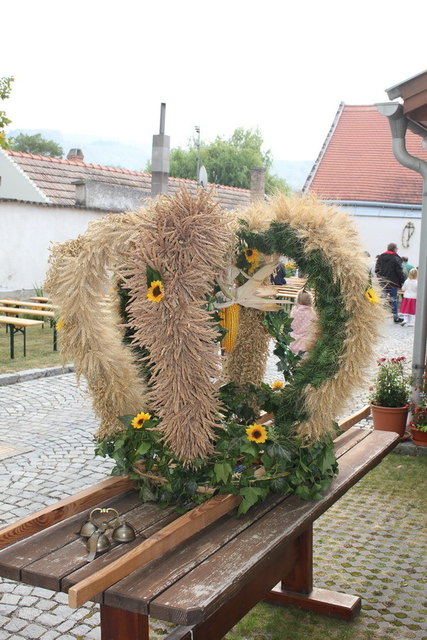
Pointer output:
x,y
239,466
227,162
37,145
5,89
392,386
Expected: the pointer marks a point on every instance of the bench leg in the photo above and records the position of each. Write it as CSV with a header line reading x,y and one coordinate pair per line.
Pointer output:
x,y
118,624
297,587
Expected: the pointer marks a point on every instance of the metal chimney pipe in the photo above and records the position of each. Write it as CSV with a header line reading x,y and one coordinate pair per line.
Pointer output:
x,y
160,158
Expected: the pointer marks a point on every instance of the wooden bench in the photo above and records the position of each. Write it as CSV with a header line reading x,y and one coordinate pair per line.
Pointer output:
x,y
24,303
18,325
207,584
39,298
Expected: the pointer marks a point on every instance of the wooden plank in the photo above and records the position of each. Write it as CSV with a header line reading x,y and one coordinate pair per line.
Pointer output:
x,y
363,413
216,625
199,594
50,570
29,312
169,537
24,303
323,601
19,322
44,544
138,589
63,509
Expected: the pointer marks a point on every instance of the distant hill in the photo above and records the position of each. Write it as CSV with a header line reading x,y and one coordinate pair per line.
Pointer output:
x,y
110,153
295,172
113,153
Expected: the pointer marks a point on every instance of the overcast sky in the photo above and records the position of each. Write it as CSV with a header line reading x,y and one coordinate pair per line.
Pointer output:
x,y
102,68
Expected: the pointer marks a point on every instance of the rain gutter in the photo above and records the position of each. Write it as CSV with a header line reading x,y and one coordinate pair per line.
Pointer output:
x,y
398,125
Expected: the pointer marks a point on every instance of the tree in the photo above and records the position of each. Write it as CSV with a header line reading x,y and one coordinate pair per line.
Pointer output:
x,y
5,89
37,145
228,162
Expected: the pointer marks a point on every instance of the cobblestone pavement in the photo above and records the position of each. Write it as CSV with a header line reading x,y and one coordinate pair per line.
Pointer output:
x,y
46,453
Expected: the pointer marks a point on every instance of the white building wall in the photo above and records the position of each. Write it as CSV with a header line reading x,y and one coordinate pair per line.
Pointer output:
x,y
14,183
377,226
26,233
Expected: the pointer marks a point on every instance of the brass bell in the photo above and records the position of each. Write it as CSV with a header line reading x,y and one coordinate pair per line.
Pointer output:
x,y
87,529
123,532
98,541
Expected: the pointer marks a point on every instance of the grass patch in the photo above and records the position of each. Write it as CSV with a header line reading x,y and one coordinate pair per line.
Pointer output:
x,y
40,352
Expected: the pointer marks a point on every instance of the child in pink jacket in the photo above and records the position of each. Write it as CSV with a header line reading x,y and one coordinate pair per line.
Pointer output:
x,y
303,322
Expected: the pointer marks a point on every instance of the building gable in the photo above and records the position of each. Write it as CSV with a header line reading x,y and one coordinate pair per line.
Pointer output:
x,y
356,163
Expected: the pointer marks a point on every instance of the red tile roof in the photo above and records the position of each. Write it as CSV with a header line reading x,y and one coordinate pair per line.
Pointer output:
x,y
55,178
357,162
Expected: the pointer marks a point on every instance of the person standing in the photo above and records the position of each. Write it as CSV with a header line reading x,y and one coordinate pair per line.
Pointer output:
x,y
388,269
303,323
406,266
409,302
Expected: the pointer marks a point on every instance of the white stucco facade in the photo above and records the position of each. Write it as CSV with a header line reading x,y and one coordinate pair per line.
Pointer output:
x,y
26,233
379,224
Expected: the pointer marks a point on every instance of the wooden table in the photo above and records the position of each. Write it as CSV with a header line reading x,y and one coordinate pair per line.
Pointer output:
x,y
207,584
17,325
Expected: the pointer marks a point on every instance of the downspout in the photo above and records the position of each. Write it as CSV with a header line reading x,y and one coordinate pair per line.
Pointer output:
x,y
398,125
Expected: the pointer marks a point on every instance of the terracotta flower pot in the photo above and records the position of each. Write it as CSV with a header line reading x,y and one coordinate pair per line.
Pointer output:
x,y
419,437
389,418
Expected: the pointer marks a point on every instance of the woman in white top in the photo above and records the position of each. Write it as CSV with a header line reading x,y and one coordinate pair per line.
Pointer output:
x,y
409,302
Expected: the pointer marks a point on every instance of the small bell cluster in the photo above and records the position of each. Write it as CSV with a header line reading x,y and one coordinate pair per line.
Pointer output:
x,y
95,532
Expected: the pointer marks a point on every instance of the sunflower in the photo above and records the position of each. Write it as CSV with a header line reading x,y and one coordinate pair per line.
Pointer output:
x,y
371,295
277,384
256,433
139,420
155,292
252,255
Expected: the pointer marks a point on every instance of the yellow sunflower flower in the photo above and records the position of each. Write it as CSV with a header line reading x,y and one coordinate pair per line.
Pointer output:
x,y
256,433
139,420
277,384
252,255
155,292
371,295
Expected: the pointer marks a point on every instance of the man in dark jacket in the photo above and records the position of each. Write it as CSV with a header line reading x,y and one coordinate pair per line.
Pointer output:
x,y
391,276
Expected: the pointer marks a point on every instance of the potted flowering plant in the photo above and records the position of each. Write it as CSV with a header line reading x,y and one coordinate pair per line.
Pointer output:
x,y
418,420
390,395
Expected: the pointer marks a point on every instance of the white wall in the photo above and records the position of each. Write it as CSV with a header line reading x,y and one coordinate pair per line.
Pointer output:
x,y
26,232
377,226
14,183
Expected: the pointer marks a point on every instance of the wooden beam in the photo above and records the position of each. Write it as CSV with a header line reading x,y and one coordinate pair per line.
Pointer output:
x,y
64,509
345,424
167,538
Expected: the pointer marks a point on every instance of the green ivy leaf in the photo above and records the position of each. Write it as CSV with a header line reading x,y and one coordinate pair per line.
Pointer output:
x,y
250,496
152,275
143,448
222,471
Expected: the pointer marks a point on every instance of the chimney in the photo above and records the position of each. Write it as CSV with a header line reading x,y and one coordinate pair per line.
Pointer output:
x,y
160,158
257,183
76,155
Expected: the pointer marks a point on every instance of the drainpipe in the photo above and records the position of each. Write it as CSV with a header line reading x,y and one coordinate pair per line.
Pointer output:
x,y
398,125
